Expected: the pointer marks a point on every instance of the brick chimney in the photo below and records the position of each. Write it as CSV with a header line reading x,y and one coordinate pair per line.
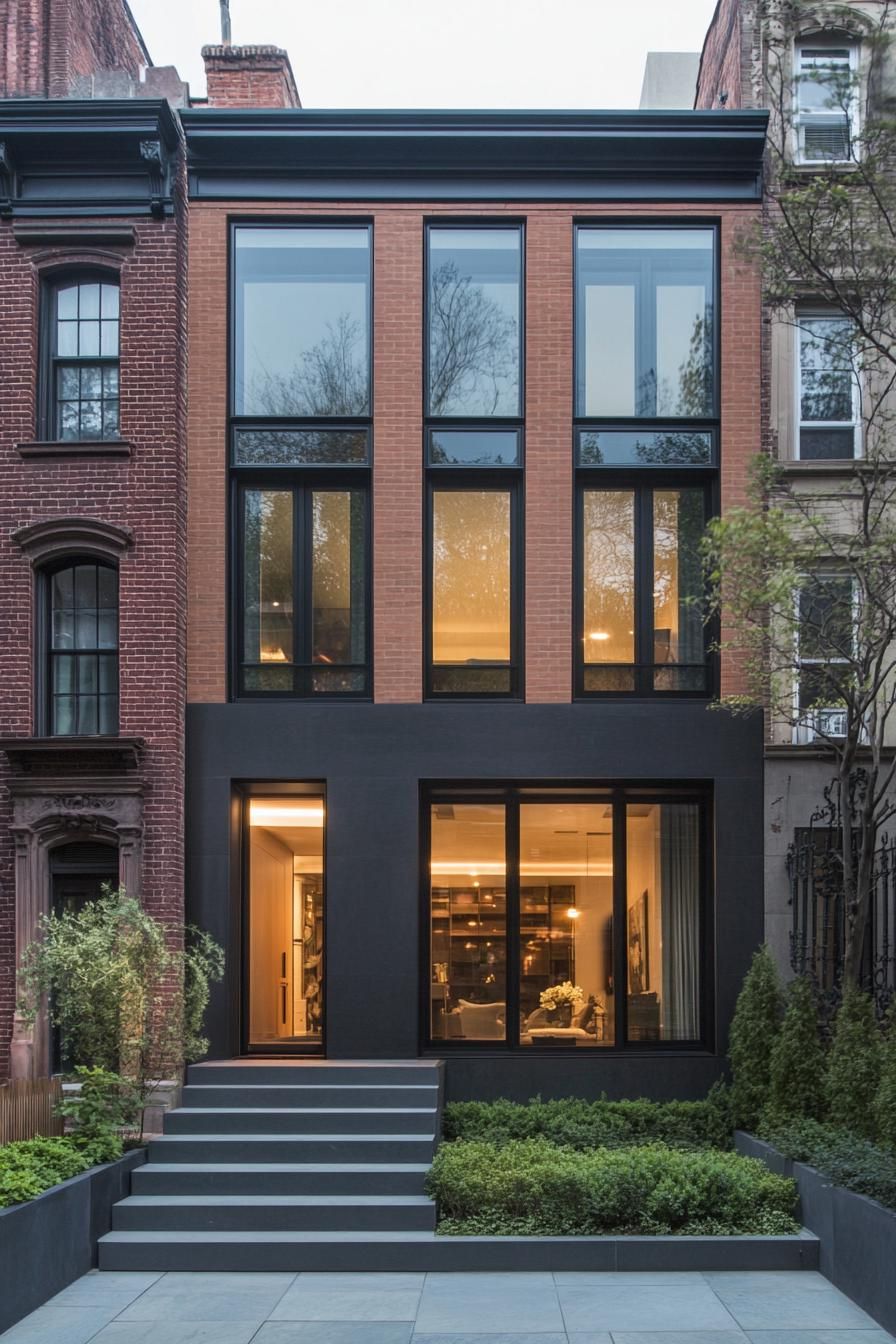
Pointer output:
x,y
249,77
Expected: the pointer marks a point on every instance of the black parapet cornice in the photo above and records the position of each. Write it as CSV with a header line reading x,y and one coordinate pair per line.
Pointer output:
x,y
485,156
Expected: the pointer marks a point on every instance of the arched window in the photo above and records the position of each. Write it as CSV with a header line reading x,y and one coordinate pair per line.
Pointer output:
x,y
82,649
82,369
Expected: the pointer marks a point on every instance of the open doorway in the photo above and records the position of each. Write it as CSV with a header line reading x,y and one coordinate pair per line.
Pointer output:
x,y
285,922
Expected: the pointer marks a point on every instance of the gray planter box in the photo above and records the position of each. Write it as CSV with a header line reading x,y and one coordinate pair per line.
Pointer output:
x,y
857,1235
49,1242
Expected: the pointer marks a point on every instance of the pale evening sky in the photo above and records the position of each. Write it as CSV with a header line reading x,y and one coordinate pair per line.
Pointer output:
x,y
440,53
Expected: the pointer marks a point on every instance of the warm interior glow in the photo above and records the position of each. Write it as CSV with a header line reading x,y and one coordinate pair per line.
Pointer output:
x,y
599,634
608,575
286,813
573,913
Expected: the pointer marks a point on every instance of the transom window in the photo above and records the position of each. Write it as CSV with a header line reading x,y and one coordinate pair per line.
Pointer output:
x,y
565,920
827,387
84,360
82,647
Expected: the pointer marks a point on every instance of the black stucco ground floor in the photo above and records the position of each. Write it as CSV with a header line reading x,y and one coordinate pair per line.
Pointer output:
x,y
553,899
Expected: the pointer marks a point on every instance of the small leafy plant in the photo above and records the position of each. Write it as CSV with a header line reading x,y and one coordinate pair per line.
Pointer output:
x,y
754,1029
106,1105
30,1167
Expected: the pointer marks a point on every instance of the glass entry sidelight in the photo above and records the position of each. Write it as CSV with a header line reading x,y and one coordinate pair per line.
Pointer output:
x,y
285,921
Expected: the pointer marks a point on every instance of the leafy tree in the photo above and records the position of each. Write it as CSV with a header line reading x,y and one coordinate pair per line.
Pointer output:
x,y
797,1067
127,992
803,572
754,1028
854,1065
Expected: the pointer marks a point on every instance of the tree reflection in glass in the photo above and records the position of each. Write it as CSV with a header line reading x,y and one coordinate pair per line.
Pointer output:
x,y
302,322
474,320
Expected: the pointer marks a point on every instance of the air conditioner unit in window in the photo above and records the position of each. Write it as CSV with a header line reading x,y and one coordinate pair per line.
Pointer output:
x,y
825,139
820,723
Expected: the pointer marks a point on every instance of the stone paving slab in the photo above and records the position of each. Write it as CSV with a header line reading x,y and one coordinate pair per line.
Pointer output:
x,y
720,1307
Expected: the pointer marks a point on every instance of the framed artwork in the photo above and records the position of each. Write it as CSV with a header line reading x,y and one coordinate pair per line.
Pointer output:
x,y
638,947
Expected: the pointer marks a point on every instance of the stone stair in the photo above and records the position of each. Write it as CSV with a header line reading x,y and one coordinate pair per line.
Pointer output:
x,y
267,1164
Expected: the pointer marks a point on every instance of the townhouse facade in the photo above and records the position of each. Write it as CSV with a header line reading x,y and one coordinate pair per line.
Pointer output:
x,y
376,449
822,70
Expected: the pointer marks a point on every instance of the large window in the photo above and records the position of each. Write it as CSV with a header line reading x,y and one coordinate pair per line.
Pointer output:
x,y
640,621
300,459
81,392
645,330
826,102
82,649
475,319
304,591
473,624
827,387
566,920
302,344
473,451
646,456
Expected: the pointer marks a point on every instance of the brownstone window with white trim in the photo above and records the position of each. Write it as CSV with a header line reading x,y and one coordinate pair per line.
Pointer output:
x,y
81,367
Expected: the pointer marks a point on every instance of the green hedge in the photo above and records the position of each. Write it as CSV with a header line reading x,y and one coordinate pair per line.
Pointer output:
x,y
593,1124
531,1187
846,1158
30,1167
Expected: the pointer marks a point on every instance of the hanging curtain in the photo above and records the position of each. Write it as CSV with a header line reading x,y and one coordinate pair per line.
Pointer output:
x,y
680,876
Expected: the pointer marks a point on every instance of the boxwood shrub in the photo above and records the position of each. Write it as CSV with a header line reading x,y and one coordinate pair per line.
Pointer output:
x,y
594,1124
530,1187
32,1166
845,1158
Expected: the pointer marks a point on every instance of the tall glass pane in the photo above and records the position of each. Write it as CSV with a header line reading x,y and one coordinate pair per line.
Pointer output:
x,y
468,922
302,337
608,587
474,321
566,924
268,610
83,619
471,589
644,322
338,588
286,920
663,921
678,631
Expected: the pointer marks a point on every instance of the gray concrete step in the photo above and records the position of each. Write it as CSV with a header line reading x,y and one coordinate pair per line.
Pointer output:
x,y
281,1072
261,1178
302,1148
324,1095
248,1119
274,1213
236,1252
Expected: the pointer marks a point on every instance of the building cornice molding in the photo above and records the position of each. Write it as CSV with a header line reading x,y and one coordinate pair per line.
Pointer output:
x,y
77,157
629,155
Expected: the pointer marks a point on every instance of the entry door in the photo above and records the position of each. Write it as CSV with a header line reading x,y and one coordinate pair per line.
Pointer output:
x,y
285,922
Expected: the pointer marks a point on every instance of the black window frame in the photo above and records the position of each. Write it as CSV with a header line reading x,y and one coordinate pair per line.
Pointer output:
x,y
643,484
476,477
301,478
49,363
647,477
664,225
309,482
461,480
513,794
46,654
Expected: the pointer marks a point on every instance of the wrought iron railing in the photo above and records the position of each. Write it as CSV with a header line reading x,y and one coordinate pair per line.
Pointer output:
x,y
820,918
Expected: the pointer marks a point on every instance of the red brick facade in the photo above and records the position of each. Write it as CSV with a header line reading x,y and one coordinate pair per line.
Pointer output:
x,y
397,473
46,44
